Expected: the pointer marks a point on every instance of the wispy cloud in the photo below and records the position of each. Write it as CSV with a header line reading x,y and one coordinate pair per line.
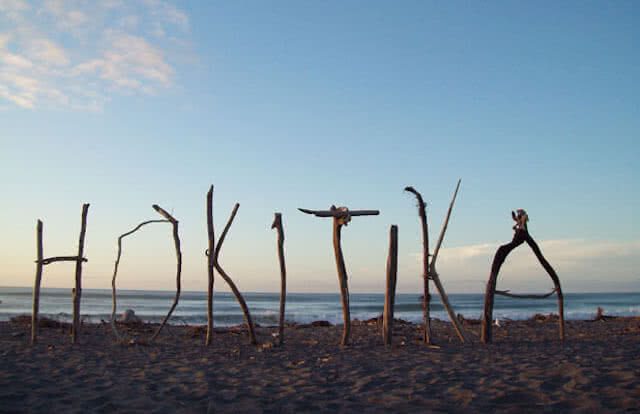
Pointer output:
x,y
77,54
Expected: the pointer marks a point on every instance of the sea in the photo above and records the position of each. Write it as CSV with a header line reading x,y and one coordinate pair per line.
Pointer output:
x,y
152,306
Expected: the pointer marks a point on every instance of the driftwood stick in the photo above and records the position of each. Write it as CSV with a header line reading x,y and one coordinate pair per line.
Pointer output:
x,y
340,213
115,272
390,293
225,276
36,285
210,259
77,291
433,274
54,259
554,277
499,258
445,225
426,297
508,294
342,280
277,224
176,241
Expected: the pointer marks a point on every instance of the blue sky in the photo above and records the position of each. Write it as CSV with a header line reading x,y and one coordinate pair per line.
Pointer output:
x,y
306,104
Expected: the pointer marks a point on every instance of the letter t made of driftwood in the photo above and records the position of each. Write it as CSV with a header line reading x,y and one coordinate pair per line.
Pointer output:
x,y
341,217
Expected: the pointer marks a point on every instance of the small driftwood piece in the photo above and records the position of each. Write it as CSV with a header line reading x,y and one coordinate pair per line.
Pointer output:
x,y
210,253
520,236
54,259
277,224
390,293
41,261
508,294
426,297
115,273
341,216
176,242
77,292
225,276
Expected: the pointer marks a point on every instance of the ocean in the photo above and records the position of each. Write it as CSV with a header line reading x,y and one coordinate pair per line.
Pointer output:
x,y
152,306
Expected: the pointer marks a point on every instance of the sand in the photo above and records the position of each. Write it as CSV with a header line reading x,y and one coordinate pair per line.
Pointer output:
x,y
526,369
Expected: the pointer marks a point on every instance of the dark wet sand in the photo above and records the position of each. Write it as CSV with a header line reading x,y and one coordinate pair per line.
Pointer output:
x,y
526,369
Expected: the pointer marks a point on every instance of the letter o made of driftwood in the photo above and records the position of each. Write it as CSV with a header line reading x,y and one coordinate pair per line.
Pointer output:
x,y
115,274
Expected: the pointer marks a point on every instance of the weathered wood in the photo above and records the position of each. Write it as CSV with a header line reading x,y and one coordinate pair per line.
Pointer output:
x,y
426,297
176,242
225,276
508,294
210,265
77,292
36,285
433,274
498,259
277,224
390,292
341,216
556,281
115,273
520,236
55,259
336,213
342,280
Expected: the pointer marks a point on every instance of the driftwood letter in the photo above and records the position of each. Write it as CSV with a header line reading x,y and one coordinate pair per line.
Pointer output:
x,y
77,290
341,216
520,236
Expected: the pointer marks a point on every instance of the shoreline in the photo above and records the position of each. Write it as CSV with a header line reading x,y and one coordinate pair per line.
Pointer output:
x,y
596,369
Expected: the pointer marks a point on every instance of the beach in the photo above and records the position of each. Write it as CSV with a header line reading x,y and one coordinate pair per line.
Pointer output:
x,y
526,369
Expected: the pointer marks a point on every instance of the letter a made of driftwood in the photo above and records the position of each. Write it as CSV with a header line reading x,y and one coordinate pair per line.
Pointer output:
x,y
341,216
277,224
77,290
520,236
429,268
225,276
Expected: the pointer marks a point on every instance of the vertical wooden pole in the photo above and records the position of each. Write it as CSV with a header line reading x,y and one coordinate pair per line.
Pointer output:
x,y
210,267
426,297
77,292
277,224
390,293
342,280
36,285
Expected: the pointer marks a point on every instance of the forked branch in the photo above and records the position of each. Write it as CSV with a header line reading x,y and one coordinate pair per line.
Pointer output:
x,y
225,276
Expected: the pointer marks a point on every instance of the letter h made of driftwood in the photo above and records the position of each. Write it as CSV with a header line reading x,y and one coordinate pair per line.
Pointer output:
x,y
77,290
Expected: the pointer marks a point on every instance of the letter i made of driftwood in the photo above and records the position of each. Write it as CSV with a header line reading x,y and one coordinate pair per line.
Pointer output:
x,y
77,290
341,217
210,253
520,236
390,292
277,224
